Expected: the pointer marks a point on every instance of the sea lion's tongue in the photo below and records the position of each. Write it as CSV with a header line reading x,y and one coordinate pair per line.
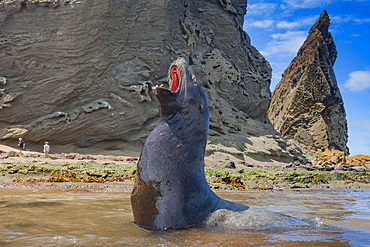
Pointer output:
x,y
175,77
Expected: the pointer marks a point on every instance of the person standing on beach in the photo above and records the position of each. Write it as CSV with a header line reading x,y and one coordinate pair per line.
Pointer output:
x,y
21,146
46,150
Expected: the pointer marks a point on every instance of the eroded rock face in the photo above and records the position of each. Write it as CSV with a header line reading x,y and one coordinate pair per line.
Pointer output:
x,y
306,105
80,72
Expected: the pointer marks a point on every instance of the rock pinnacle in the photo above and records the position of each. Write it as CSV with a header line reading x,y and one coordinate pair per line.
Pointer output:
x,y
306,105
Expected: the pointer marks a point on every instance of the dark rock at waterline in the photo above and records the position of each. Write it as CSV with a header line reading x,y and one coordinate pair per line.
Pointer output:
x,y
296,165
97,175
306,167
299,186
229,165
246,164
290,165
13,171
84,157
13,154
4,156
340,168
357,169
353,167
71,155
326,168
367,167
349,165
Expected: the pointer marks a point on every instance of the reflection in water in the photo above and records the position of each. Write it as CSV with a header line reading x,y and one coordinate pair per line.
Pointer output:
x,y
76,218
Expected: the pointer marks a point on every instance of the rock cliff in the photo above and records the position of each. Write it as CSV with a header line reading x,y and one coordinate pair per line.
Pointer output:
x,y
80,73
306,104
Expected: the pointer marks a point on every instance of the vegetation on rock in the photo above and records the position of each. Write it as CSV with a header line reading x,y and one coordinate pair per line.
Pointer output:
x,y
218,178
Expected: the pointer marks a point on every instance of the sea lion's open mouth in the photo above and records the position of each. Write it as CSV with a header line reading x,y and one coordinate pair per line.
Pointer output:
x,y
175,78
174,82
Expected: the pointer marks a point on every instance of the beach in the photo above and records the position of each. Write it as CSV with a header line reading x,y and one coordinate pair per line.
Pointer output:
x,y
116,173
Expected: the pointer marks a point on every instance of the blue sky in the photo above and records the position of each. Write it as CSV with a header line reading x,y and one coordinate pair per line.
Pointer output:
x,y
278,29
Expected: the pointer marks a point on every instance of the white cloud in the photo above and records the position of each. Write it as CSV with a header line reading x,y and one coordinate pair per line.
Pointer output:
x,y
261,24
361,20
338,19
305,4
307,21
267,24
261,8
287,24
285,44
275,79
358,80
364,124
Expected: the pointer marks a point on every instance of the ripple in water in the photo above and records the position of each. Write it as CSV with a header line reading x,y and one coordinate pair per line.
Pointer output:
x,y
59,218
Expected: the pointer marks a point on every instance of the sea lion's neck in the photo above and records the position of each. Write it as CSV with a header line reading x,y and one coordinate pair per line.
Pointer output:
x,y
188,125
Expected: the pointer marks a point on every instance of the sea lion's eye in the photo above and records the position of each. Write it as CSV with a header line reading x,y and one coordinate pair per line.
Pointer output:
x,y
201,108
194,79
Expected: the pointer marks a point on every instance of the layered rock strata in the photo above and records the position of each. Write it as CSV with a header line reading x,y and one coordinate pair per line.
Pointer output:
x,y
79,72
306,105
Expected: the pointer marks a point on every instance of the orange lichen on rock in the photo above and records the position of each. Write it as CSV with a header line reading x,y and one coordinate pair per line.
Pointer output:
x,y
232,182
337,158
358,159
331,157
72,178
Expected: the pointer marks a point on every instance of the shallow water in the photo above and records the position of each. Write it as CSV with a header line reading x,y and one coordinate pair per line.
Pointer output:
x,y
45,217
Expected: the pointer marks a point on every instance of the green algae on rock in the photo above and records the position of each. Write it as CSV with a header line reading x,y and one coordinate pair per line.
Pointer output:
x,y
217,178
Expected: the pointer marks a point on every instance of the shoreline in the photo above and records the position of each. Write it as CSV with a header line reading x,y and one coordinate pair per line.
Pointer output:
x,y
120,178
110,173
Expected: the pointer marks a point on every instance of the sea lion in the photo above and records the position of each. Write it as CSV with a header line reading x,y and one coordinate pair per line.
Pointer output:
x,y
170,189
